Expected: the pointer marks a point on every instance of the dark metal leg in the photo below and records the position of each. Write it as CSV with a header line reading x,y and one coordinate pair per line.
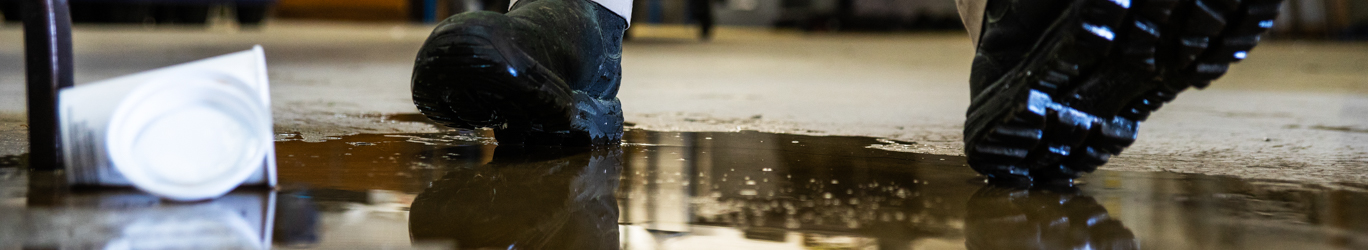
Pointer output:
x,y
47,52
702,12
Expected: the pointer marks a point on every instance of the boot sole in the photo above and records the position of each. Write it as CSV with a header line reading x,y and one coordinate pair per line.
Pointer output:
x,y
1100,69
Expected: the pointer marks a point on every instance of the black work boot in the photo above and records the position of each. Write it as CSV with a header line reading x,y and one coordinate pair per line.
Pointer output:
x,y
1060,86
546,73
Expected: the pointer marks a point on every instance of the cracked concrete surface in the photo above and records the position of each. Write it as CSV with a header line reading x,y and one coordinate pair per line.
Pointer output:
x,y
1293,111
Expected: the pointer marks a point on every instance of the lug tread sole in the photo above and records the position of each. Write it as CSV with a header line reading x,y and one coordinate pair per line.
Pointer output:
x,y
1099,71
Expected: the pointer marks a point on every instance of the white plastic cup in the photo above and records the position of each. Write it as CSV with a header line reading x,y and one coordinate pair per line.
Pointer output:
x,y
191,131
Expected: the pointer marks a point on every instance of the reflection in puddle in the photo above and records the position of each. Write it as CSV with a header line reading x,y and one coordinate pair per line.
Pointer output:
x,y
129,219
1042,218
771,191
524,200
668,190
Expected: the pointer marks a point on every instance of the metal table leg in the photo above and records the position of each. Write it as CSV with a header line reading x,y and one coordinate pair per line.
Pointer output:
x,y
47,52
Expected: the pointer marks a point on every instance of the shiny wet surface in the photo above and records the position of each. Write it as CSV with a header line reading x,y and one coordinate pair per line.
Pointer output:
x,y
671,190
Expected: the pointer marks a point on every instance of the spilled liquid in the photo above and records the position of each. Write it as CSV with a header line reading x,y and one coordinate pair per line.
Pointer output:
x,y
671,190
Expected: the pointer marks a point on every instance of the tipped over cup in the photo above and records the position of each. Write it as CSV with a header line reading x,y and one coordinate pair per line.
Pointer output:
x,y
187,132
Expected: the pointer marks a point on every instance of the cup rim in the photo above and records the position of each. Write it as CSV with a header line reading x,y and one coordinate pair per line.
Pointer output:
x,y
166,93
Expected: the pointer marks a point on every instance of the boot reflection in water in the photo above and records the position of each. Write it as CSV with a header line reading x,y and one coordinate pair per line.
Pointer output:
x,y
562,200
545,73
1056,218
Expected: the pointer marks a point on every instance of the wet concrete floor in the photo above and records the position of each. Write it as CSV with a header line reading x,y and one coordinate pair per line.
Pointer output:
x,y
1289,112
676,190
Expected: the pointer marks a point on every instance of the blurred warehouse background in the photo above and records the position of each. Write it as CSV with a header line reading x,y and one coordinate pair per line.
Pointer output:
x,y
1312,19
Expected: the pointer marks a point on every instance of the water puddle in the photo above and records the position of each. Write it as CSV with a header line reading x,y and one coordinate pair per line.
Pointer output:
x,y
673,190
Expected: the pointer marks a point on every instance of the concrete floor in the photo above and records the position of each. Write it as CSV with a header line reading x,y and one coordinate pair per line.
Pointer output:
x,y
1293,111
